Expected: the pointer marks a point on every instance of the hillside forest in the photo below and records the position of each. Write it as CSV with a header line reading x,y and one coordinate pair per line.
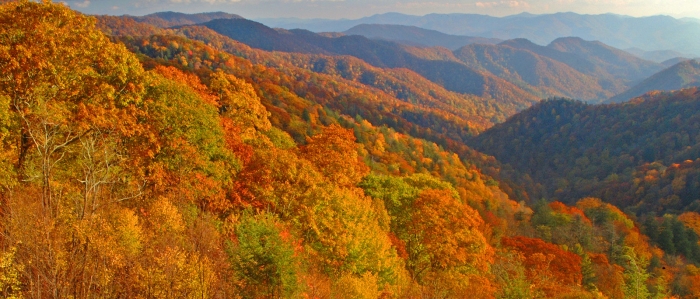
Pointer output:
x,y
158,158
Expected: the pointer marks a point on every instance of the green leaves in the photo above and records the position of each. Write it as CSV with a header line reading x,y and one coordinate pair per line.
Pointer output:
x,y
263,259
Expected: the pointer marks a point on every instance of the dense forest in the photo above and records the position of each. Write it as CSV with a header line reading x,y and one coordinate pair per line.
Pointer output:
x,y
148,162
640,154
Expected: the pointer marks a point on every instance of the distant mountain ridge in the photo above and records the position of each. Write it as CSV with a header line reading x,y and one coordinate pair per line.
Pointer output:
x,y
613,61
413,35
169,18
569,67
659,56
682,75
646,33
452,75
539,74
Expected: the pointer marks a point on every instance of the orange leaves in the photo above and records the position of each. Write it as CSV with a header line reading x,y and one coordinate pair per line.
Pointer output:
x,y
563,266
610,280
74,95
564,209
188,79
448,234
334,153
691,220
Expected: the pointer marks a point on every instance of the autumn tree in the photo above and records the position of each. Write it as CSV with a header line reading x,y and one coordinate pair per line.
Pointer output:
x,y
67,85
444,242
548,266
334,153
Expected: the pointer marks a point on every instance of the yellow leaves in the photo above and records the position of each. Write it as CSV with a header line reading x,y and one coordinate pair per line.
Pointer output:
x,y
164,217
7,148
176,274
10,271
239,101
348,237
351,286
128,232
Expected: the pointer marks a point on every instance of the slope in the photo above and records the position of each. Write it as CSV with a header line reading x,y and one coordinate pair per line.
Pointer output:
x,y
682,75
641,154
162,166
607,60
540,75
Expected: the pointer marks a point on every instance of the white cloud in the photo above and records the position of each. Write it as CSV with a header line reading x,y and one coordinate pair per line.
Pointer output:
x,y
83,4
205,1
513,4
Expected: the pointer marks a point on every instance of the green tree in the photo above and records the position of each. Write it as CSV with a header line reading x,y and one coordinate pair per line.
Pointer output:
x,y
635,275
263,259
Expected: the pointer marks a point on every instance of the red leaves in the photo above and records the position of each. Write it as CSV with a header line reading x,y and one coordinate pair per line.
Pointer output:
x,y
564,209
543,258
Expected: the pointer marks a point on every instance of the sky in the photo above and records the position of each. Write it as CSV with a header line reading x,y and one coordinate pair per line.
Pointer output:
x,y
353,9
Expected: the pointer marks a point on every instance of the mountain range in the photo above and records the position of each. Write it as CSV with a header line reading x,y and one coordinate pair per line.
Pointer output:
x,y
452,75
510,71
412,35
652,33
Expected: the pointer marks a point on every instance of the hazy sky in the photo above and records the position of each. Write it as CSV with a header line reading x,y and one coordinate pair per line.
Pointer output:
x,y
335,9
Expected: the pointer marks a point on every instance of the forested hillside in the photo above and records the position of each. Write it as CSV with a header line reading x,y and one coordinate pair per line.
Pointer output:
x,y
641,154
537,74
178,163
684,74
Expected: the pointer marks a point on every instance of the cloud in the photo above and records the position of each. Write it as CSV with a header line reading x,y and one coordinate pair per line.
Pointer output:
x,y
83,4
205,1
513,4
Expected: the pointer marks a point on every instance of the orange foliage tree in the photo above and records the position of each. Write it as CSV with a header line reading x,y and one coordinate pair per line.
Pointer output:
x,y
444,237
334,153
546,262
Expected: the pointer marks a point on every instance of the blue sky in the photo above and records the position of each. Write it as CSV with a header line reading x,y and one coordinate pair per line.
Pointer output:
x,y
335,9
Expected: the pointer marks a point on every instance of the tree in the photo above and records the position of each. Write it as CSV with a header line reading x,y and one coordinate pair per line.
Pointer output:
x,y
66,83
238,101
545,259
334,153
635,275
444,235
349,235
189,157
263,260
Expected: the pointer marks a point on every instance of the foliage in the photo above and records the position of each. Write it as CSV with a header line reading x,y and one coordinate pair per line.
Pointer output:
x,y
262,259
638,154
198,173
